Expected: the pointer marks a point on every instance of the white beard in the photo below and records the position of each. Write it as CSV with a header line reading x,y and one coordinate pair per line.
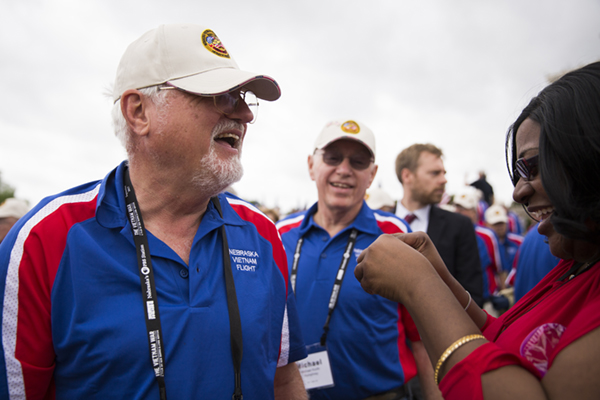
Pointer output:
x,y
216,174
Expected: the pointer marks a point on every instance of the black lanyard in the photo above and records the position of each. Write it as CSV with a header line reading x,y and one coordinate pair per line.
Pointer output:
x,y
155,340
339,278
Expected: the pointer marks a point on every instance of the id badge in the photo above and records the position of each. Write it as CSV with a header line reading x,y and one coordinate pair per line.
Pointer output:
x,y
315,369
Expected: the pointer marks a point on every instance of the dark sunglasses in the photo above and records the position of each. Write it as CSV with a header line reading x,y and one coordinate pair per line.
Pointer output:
x,y
357,162
527,167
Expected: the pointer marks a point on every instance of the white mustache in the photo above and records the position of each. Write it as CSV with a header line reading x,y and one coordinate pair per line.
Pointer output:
x,y
227,125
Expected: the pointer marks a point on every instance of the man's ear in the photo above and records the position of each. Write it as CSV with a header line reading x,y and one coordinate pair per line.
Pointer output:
x,y
134,107
311,162
373,173
406,176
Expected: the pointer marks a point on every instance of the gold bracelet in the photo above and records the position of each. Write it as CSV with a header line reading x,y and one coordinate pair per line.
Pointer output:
x,y
451,349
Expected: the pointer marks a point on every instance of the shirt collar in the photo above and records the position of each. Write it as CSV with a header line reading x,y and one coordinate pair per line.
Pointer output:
x,y
364,221
422,215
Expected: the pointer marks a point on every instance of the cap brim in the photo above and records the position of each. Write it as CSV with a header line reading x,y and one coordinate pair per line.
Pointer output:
x,y
223,80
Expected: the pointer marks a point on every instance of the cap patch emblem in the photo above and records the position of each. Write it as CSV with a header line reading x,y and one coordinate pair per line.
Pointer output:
x,y
351,127
213,44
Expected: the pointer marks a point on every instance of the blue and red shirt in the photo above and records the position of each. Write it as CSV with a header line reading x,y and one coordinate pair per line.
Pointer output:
x,y
367,340
495,266
532,262
515,225
73,322
508,250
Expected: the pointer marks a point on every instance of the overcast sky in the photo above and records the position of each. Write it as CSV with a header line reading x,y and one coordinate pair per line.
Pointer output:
x,y
455,73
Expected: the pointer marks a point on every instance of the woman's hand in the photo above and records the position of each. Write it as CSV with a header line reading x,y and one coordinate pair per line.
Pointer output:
x,y
421,242
391,267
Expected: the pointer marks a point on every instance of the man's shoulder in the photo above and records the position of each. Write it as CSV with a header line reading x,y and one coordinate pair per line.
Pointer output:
x,y
390,223
486,233
246,212
515,238
68,204
291,221
45,228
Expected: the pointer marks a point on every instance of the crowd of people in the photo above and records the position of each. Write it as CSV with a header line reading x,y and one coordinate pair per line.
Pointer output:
x,y
159,280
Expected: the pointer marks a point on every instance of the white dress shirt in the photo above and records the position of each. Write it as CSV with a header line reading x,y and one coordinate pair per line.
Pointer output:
x,y
421,222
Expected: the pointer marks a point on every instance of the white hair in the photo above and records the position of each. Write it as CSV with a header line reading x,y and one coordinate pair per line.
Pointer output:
x,y
122,131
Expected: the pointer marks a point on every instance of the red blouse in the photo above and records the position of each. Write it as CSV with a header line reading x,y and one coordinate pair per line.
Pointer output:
x,y
548,318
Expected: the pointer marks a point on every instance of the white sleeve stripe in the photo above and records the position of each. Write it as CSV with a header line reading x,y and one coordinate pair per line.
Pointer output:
x,y
392,220
510,276
14,372
247,205
290,221
284,354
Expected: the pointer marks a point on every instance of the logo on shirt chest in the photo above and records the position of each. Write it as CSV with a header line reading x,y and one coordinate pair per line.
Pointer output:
x,y
244,260
540,343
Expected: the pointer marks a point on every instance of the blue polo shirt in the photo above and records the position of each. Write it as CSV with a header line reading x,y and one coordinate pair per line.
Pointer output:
x,y
367,339
508,250
534,260
73,316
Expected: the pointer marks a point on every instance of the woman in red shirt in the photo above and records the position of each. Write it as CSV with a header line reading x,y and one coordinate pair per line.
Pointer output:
x,y
548,344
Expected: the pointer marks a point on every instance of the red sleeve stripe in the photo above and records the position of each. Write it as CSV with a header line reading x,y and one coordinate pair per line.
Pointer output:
x,y
288,224
266,229
518,239
14,371
390,224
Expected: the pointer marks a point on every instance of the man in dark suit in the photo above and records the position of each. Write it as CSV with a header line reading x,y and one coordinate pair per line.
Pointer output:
x,y
421,172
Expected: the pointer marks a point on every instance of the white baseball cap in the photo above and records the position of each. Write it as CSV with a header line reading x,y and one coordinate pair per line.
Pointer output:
x,y
13,208
377,198
467,198
346,129
190,57
494,214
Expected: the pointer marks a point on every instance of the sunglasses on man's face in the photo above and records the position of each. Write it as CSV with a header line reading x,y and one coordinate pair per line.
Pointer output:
x,y
527,167
358,162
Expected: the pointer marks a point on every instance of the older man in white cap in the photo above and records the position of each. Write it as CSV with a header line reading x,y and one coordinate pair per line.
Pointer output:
x,y
11,210
363,338
152,282
496,218
379,199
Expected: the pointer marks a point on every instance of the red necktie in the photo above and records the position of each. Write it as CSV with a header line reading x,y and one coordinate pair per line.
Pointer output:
x,y
410,218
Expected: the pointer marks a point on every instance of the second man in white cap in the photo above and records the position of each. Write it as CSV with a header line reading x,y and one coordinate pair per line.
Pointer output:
x,y
357,343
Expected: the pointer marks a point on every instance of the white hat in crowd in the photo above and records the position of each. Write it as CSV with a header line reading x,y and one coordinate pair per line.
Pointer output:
x,y
467,198
346,129
190,57
13,208
494,214
377,198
